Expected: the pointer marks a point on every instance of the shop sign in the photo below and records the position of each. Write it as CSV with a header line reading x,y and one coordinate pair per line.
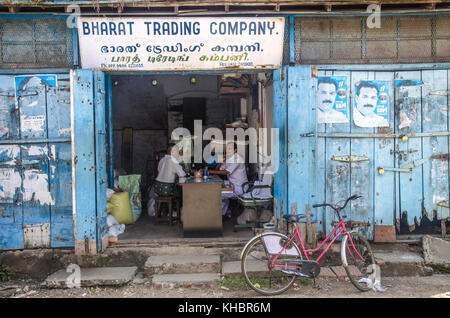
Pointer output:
x,y
180,43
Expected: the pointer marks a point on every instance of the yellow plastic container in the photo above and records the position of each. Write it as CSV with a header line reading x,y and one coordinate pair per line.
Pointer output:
x,y
121,208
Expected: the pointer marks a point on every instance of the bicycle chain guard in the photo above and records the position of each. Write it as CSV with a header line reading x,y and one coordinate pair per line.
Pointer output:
x,y
309,269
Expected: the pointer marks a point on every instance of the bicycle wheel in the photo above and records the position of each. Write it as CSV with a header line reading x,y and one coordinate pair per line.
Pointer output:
x,y
358,261
256,263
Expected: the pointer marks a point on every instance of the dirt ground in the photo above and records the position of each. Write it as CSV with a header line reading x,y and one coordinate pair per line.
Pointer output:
x,y
437,285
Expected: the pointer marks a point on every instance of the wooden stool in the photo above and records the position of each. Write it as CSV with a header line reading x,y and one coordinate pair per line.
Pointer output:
x,y
169,201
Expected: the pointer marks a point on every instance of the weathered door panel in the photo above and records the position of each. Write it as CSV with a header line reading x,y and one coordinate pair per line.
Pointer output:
x,y
384,185
61,190
58,105
60,166
408,107
338,189
35,184
338,172
301,86
10,185
11,234
280,145
9,114
362,149
88,161
101,169
32,103
435,148
321,172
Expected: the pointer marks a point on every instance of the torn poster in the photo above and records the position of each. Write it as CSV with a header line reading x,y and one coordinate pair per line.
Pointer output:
x,y
408,92
27,86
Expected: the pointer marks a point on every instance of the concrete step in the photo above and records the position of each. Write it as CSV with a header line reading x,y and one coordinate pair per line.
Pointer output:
x,y
98,276
178,264
401,264
171,281
436,251
232,269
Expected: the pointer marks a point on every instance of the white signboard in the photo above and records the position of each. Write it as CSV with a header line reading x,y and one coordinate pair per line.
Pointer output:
x,y
180,43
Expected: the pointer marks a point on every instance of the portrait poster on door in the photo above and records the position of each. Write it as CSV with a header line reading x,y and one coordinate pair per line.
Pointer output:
x,y
332,99
371,104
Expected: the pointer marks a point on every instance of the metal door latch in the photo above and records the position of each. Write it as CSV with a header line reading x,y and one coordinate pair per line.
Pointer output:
x,y
407,168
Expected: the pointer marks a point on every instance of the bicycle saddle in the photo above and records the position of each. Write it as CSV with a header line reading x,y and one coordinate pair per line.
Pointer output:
x,y
293,217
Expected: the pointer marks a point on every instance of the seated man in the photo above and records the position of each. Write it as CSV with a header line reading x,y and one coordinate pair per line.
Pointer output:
x,y
234,169
168,169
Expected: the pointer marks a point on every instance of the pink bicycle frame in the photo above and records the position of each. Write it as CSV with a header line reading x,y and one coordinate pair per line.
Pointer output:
x,y
342,229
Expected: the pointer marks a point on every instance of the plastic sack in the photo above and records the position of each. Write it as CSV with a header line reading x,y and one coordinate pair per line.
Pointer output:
x,y
151,206
121,209
109,193
132,184
110,206
114,228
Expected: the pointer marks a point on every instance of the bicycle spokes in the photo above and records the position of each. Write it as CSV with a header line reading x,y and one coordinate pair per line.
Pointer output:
x,y
263,271
358,261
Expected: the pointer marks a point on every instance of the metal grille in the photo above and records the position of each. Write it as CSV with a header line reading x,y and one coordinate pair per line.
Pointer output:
x,y
35,43
348,40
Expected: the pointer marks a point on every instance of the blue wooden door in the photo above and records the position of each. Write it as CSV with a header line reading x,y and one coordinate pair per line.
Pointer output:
x,y
415,178
36,197
294,180
89,163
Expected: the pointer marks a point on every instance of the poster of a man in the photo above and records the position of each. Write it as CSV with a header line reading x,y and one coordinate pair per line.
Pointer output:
x,y
332,99
371,104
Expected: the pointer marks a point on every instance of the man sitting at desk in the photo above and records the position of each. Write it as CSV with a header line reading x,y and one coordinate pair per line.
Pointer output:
x,y
234,168
168,169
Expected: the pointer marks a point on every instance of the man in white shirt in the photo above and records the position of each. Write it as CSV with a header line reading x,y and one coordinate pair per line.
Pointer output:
x,y
168,169
234,168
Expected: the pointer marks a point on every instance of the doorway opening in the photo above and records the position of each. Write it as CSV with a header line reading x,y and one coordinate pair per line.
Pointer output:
x,y
147,108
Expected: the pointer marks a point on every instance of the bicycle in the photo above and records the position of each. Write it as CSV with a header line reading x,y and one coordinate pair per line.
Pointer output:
x,y
271,261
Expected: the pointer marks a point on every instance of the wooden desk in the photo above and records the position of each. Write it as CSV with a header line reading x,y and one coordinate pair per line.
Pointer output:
x,y
202,207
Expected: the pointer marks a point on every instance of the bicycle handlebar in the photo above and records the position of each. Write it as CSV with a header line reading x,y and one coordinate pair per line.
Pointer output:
x,y
353,197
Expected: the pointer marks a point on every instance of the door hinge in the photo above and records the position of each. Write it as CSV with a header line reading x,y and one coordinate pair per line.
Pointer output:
x,y
350,158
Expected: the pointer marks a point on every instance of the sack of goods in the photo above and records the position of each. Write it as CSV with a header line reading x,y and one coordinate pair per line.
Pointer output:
x,y
114,228
132,184
119,207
